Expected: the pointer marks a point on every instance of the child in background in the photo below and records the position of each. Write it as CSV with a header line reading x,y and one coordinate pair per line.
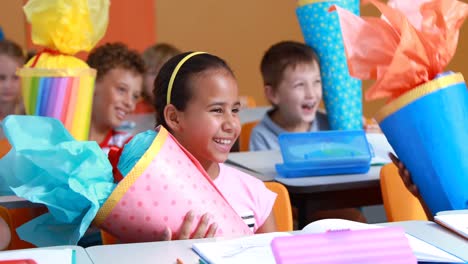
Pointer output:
x,y
118,87
154,58
196,99
11,58
292,84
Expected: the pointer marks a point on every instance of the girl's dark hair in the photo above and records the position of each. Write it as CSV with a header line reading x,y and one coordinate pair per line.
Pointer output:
x,y
181,88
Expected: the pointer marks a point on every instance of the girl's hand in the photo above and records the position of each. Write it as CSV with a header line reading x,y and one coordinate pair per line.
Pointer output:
x,y
204,228
405,175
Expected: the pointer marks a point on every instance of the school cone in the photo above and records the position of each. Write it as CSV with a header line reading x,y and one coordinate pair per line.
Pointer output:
x,y
341,93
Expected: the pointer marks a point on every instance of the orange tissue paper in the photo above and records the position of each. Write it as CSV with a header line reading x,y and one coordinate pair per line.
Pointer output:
x,y
409,45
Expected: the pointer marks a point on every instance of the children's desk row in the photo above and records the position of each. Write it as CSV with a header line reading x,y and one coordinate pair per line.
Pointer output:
x,y
168,252
322,192
81,256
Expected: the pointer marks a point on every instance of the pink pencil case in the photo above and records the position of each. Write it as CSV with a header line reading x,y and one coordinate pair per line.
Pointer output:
x,y
377,246
159,190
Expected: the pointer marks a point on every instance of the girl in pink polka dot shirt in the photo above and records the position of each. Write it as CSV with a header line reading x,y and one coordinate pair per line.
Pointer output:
x,y
196,99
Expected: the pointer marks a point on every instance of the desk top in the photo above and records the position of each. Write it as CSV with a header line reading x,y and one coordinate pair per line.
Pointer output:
x,y
437,235
80,253
168,252
262,164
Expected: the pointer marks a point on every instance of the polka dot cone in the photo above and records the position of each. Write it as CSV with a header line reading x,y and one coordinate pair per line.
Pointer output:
x,y
341,92
172,184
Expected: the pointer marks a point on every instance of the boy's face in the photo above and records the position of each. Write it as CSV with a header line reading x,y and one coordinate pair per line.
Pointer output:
x,y
115,96
298,94
10,88
210,125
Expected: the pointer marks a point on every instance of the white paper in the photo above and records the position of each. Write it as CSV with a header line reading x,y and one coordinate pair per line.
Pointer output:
x,y
244,250
457,222
380,148
41,256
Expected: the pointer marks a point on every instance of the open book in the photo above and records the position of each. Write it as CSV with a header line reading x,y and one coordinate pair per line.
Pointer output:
x,y
253,248
456,221
41,256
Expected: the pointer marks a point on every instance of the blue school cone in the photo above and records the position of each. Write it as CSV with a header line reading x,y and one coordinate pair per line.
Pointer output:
x,y
341,92
428,129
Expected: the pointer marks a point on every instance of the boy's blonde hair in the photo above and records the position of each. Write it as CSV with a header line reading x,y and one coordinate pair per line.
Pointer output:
x,y
156,55
281,56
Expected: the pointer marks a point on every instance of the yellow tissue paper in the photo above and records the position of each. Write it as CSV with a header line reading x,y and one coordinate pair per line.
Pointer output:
x,y
54,82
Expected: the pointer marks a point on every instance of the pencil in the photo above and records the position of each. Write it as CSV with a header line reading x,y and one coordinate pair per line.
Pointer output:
x,y
179,261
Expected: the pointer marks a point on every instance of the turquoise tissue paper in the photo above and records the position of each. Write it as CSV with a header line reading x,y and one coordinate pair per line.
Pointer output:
x,y
47,165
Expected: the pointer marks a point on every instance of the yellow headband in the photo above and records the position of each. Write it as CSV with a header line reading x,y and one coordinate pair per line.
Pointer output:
x,y
174,73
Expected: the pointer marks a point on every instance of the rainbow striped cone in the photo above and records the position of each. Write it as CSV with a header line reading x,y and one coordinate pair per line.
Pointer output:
x,y
65,94
341,92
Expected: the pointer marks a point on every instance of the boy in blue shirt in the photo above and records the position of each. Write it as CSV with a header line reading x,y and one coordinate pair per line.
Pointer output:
x,y
292,84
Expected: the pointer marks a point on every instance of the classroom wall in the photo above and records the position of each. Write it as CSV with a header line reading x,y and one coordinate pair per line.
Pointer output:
x,y
12,21
239,31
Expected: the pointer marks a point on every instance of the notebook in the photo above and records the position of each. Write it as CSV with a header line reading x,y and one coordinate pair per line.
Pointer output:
x,y
456,221
41,256
251,249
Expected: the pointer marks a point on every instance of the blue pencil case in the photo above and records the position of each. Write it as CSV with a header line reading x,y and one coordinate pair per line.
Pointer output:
x,y
324,153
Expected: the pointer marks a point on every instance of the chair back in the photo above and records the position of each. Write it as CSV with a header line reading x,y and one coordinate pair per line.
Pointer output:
x,y
5,215
282,208
4,147
108,239
247,101
244,137
15,218
399,203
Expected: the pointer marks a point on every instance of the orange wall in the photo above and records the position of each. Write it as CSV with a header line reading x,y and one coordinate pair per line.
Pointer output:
x,y
238,31
12,21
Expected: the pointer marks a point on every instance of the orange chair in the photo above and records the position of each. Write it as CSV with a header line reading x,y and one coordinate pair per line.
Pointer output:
x,y
5,215
247,101
4,147
399,203
18,217
108,239
244,137
282,208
